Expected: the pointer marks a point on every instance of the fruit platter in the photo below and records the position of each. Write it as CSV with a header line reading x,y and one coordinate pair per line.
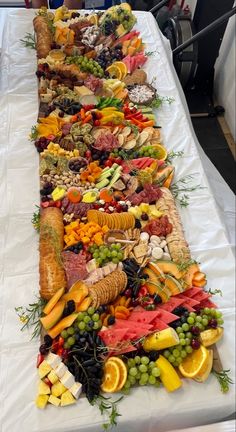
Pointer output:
x,y
123,305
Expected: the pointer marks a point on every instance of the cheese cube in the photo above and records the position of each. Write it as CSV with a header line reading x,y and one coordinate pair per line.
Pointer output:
x,y
57,389
54,400
44,388
41,401
76,389
67,398
53,360
82,90
53,378
44,369
68,379
60,370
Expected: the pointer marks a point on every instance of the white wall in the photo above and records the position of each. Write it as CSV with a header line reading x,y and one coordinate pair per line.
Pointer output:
x,y
225,71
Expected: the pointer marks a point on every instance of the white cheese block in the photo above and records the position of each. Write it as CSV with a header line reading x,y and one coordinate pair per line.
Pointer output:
x,y
76,390
60,370
68,380
53,360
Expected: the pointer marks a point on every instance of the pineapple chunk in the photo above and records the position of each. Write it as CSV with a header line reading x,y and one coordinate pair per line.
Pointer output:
x,y
44,389
54,400
52,377
57,389
41,401
44,369
67,398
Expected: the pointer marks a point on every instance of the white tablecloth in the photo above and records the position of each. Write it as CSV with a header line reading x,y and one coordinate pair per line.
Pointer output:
x,y
145,409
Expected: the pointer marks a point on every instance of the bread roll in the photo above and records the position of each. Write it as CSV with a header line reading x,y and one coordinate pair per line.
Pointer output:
x,y
51,271
43,36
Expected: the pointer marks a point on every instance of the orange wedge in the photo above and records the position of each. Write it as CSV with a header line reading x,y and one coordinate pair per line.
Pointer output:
x,y
111,377
114,71
162,152
196,364
123,372
122,66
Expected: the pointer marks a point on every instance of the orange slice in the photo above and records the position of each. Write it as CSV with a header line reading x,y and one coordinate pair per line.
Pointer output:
x,y
111,377
196,363
162,152
122,66
114,71
123,372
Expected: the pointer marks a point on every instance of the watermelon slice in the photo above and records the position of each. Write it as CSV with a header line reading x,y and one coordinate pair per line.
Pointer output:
x,y
172,303
189,308
111,336
192,291
128,36
166,316
144,317
130,324
206,304
128,348
189,301
158,324
201,296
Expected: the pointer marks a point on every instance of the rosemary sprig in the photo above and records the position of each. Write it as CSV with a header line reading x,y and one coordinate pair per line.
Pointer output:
x,y
30,315
159,100
33,133
215,291
223,379
108,407
29,41
150,53
184,265
36,219
172,154
179,188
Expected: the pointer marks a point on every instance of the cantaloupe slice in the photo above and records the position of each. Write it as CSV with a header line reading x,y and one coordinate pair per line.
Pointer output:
x,y
169,267
53,317
163,292
199,276
84,305
173,285
64,323
157,271
76,295
51,303
189,275
201,283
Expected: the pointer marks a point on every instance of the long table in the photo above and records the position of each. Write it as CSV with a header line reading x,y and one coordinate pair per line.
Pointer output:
x,y
145,409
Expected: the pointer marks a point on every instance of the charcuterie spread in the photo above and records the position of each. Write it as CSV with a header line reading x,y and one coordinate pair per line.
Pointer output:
x,y
122,302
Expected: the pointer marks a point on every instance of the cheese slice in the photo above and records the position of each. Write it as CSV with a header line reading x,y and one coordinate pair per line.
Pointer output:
x,y
83,91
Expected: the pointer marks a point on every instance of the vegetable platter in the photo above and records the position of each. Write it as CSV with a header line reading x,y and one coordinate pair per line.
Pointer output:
x,y
124,306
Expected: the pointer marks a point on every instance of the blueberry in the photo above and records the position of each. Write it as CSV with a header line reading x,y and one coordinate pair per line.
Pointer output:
x,y
111,320
157,299
43,349
47,341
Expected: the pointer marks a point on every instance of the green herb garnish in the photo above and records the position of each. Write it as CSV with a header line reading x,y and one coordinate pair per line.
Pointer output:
x,y
150,53
184,265
179,188
172,154
223,379
30,316
29,41
36,219
215,291
33,133
159,100
134,128
107,407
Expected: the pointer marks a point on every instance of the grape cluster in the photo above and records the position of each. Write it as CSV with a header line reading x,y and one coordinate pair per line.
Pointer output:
x,y
104,253
41,144
85,363
86,65
86,322
188,328
148,151
142,371
107,56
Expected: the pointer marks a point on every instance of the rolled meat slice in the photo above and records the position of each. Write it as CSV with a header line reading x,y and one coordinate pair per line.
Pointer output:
x,y
51,270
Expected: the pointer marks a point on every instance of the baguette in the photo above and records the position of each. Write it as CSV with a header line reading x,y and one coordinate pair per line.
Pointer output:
x,y
177,245
43,36
51,271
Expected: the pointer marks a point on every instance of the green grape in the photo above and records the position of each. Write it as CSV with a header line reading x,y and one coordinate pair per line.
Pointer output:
x,y
218,314
188,349
114,254
120,256
190,320
115,260
207,311
143,368
99,261
193,315
64,334
144,360
144,377
182,335
179,360
156,372
95,317
133,371
66,345
205,322
80,316
71,341
175,364
185,327
182,342
132,379
151,365
81,325
179,330
166,354
220,321
187,341
96,255
137,359
200,326
198,319
127,385
71,330
183,353
175,353
171,358
131,363
189,335
87,319
138,376
152,380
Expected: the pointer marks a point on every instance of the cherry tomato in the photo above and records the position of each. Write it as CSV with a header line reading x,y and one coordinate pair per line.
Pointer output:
x,y
143,291
58,204
118,160
60,351
108,163
61,341
45,204
88,154
96,123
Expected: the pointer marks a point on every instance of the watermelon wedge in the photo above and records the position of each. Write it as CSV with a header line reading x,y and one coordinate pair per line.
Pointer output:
x,y
112,336
128,348
144,317
192,291
201,296
166,316
158,324
206,304
131,324
172,303
189,301
128,36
